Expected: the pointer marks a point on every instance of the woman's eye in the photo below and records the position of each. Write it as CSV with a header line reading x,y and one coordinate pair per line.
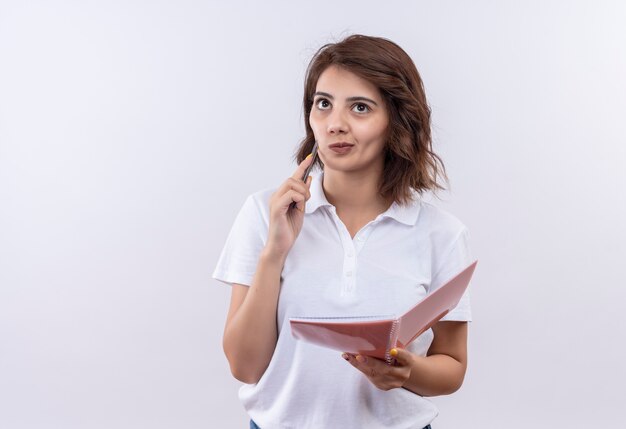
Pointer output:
x,y
362,108
322,103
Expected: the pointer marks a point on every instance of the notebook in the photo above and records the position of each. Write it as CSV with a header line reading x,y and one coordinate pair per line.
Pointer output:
x,y
377,335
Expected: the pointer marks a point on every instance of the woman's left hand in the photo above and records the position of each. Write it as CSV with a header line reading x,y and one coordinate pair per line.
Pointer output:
x,y
381,374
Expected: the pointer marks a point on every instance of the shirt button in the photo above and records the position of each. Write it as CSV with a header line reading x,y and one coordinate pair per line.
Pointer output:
x,y
349,273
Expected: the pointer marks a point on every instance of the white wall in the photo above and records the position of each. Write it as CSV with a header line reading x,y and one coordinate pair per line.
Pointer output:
x,y
131,132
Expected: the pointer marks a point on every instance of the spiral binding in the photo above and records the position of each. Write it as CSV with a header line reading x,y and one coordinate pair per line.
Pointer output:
x,y
393,337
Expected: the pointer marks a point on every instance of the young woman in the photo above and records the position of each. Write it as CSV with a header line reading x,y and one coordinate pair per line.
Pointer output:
x,y
354,239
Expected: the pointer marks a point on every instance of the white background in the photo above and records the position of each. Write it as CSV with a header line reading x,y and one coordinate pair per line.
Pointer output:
x,y
132,131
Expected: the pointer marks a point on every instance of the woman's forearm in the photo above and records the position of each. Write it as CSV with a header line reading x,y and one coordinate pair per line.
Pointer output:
x,y
435,375
250,336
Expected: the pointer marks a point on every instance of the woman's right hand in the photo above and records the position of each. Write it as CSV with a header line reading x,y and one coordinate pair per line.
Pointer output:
x,y
286,221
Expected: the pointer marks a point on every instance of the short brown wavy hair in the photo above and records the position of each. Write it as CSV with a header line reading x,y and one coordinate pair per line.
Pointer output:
x,y
410,163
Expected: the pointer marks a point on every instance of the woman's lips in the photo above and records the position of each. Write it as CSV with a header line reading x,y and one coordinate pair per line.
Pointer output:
x,y
341,148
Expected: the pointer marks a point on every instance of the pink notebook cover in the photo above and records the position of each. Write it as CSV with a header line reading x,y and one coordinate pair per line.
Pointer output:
x,y
377,335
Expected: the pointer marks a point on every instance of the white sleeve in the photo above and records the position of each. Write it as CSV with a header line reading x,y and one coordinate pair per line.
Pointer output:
x,y
458,258
240,255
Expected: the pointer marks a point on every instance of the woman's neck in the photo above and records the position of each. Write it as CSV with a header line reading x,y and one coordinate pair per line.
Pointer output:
x,y
354,193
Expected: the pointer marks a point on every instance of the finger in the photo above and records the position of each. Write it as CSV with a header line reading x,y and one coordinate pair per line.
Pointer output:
x,y
293,184
302,167
292,197
366,364
401,357
351,359
377,371
309,180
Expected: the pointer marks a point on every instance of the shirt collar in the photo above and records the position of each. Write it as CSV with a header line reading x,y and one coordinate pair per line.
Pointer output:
x,y
406,214
318,198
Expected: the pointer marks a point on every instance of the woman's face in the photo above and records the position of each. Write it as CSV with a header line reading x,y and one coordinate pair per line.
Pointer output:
x,y
349,119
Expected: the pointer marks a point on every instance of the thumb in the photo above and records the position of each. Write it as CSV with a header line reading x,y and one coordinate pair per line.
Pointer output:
x,y
402,357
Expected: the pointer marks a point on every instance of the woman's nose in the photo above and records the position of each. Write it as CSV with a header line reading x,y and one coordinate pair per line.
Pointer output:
x,y
336,123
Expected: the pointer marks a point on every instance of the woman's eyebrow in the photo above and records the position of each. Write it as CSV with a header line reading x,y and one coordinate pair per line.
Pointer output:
x,y
359,98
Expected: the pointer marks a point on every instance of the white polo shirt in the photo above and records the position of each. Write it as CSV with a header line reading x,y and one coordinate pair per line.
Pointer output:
x,y
390,265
